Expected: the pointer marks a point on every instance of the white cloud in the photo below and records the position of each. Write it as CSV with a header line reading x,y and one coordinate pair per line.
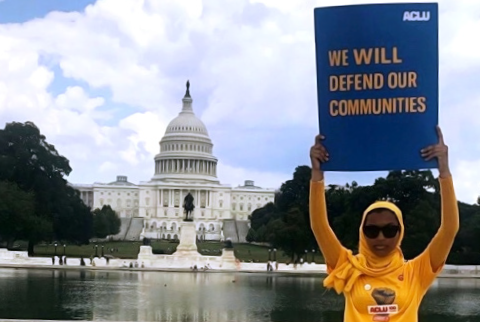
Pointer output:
x,y
142,128
467,181
108,166
251,65
237,176
76,99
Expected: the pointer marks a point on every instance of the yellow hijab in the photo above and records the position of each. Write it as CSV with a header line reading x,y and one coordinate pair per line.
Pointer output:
x,y
365,262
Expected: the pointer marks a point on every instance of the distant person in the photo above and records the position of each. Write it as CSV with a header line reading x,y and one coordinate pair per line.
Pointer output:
x,y
378,284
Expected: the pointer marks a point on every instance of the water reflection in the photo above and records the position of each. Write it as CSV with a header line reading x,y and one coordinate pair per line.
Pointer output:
x,y
198,297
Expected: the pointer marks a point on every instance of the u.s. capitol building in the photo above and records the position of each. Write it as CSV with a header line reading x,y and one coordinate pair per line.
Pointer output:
x,y
185,164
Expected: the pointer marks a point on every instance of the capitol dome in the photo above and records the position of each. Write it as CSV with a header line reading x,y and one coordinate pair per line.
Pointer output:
x,y
186,121
186,149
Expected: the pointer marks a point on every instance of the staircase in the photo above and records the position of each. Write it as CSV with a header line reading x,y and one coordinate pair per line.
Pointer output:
x,y
242,230
230,230
130,229
135,229
124,225
235,230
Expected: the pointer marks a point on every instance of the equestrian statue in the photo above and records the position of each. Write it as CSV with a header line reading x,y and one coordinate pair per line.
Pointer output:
x,y
188,207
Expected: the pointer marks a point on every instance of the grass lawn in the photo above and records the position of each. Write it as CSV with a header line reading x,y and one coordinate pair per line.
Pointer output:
x,y
130,250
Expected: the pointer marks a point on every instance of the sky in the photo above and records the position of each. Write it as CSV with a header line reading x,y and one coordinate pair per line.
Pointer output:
x,y
102,80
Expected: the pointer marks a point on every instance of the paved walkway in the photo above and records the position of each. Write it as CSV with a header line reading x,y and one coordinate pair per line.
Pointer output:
x,y
12,259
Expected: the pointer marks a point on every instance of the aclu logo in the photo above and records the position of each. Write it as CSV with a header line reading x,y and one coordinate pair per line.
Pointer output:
x,y
416,16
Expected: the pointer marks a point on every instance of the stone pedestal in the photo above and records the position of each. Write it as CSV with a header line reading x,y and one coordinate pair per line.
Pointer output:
x,y
188,240
228,254
229,261
145,253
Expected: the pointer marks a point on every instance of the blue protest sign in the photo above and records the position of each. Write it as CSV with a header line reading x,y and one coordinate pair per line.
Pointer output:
x,y
377,84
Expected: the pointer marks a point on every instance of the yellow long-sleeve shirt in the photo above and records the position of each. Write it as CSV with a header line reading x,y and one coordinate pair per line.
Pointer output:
x,y
394,297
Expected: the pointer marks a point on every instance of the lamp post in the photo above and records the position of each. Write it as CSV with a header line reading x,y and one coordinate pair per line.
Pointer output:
x,y
55,249
64,246
274,254
102,251
269,254
96,250
313,256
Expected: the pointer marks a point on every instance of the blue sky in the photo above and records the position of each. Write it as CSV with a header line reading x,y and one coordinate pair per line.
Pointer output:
x,y
15,11
102,79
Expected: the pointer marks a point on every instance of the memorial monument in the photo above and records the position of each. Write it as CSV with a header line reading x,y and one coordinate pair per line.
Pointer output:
x,y
184,188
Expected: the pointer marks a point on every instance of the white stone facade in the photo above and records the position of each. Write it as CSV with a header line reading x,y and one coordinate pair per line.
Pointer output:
x,y
185,164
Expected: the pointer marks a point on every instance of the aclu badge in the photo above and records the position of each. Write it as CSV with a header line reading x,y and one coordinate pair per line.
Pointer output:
x,y
383,309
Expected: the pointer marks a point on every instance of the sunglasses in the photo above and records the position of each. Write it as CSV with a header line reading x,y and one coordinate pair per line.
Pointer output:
x,y
372,231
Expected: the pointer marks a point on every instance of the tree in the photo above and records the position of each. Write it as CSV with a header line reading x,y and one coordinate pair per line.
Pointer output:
x,y
16,212
72,219
105,222
295,192
285,223
291,234
263,215
251,235
27,159
416,193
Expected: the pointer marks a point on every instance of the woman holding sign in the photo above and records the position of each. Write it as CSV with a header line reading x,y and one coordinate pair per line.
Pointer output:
x,y
378,283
